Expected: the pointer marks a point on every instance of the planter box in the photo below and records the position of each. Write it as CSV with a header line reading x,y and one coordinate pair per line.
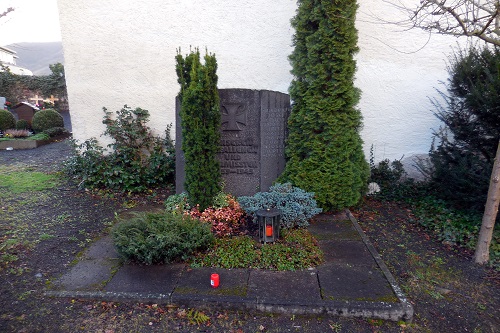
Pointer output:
x,y
29,144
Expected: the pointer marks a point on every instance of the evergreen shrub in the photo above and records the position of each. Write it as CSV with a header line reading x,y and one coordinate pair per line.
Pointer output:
x,y
22,124
151,238
464,150
45,119
7,120
324,148
297,206
200,122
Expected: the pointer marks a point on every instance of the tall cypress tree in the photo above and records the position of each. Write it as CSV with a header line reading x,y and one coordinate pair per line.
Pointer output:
x,y
200,122
324,148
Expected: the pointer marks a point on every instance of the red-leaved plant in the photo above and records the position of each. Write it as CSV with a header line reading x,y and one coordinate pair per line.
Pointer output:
x,y
226,221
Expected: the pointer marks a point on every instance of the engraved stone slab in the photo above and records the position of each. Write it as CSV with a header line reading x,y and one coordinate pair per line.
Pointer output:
x,y
253,133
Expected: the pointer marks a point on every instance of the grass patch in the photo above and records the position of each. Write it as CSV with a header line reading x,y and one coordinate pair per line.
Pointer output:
x,y
21,181
297,249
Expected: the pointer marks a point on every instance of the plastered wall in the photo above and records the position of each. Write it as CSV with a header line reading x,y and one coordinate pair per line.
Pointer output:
x,y
123,52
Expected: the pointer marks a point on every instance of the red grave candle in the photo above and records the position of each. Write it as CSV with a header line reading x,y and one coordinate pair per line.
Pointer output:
x,y
269,230
214,280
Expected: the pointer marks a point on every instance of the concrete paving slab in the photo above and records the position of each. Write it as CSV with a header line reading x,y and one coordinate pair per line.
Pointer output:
x,y
88,275
146,279
346,252
233,282
103,248
269,286
358,283
327,229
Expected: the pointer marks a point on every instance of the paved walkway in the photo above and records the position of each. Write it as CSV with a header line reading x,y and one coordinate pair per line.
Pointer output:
x,y
353,281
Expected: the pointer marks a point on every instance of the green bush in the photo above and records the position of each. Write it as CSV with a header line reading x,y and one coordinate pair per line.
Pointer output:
x,y
160,237
200,122
138,160
462,159
45,119
324,148
7,120
297,206
22,124
56,131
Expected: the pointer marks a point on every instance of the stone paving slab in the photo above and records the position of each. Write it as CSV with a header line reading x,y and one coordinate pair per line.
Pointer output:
x,y
346,252
359,283
88,275
233,282
290,286
334,230
146,279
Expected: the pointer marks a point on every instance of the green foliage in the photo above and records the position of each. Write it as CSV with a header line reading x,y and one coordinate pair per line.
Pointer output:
x,y
137,161
453,226
177,203
7,120
296,205
46,119
462,161
324,148
296,250
14,87
160,237
200,122
56,131
22,124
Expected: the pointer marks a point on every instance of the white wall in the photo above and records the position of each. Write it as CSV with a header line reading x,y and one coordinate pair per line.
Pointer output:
x,y
122,52
398,72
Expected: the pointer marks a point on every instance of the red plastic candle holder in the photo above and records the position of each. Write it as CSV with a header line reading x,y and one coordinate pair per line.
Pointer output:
x,y
214,280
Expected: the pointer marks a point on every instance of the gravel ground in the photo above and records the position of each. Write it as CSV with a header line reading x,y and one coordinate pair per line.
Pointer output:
x,y
47,158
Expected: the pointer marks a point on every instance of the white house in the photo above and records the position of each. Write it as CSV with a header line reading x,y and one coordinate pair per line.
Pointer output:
x,y
122,52
8,59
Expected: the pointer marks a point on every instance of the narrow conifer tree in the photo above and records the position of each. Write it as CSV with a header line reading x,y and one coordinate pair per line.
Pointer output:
x,y
324,148
200,122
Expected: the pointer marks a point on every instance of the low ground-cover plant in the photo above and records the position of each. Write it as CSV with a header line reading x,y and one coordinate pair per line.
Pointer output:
x,y
160,237
296,205
454,227
297,249
136,161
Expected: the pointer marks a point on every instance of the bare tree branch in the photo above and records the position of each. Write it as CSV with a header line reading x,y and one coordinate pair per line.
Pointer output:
x,y
472,18
7,11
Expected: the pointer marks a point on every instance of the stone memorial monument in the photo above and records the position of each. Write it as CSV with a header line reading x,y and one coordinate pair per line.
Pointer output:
x,y
253,132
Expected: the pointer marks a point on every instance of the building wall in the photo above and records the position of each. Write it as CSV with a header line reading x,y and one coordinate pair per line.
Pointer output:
x,y
123,52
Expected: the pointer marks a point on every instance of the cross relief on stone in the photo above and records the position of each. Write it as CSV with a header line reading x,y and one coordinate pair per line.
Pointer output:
x,y
234,116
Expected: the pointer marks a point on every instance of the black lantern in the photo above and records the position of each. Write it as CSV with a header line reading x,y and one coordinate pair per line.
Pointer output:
x,y
269,224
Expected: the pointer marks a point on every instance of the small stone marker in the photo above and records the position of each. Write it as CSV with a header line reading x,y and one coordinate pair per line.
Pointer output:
x,y
253,133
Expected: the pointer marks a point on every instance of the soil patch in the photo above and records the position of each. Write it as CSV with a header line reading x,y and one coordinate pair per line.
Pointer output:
x,y
46,230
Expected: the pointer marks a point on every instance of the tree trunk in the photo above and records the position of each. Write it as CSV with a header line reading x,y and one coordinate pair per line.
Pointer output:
x,y
482,254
